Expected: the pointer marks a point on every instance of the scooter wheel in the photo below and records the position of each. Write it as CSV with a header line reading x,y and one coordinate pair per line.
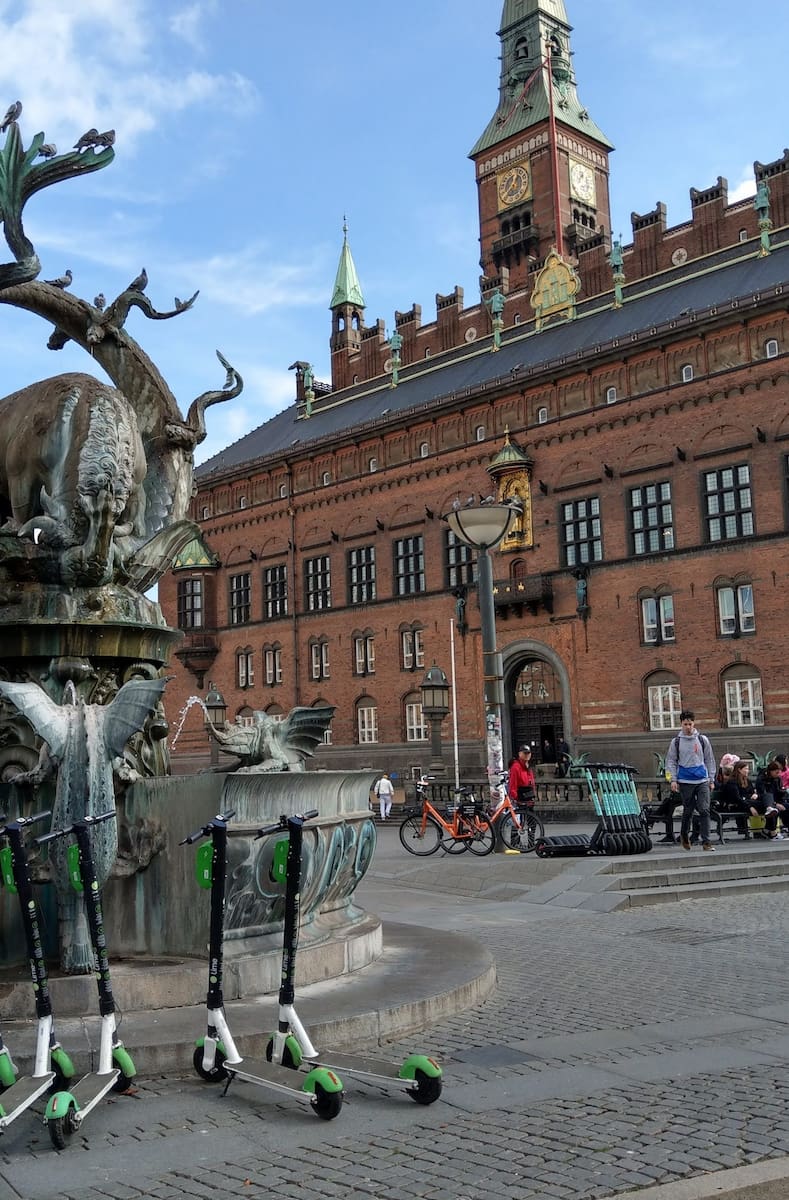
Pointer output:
x,y
216,1074
427,1089
287,1055
326,1104
60,1130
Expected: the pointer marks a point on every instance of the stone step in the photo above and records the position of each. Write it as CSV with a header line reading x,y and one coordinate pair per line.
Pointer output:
x,y
727,888
746,852
707,872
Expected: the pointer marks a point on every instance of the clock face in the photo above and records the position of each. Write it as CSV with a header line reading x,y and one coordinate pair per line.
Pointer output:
x,y
582,182
513,185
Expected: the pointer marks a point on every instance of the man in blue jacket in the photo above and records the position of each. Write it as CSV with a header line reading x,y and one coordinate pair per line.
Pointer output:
x,y
691,767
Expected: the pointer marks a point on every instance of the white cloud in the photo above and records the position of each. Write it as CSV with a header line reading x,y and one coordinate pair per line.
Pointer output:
x,y
746,186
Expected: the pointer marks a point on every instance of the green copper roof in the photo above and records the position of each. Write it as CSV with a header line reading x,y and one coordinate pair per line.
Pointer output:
x,y
347,289
195,554
510,455
527,28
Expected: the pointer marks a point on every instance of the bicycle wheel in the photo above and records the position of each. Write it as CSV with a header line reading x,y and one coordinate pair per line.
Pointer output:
x,y
484,838
459,844
417,840
531,831
509,833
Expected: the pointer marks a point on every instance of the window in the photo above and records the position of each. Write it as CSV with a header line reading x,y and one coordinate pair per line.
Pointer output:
x,y
363,654
372,465
657,620
317,589
245,667
687,373
736,612
239,599
412,648
610,395
409,565
190,604
651,519
542,416
326,478
319,659
743,235
275,591
242,501
283,491
459,561
361,575
415,727
272,664
581,532
479,433
729,510
664,701
204,512
744,704
424,450
771,348
427,352
366,722
516,320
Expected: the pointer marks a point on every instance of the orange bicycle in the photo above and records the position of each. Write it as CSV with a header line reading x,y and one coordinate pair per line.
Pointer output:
x,y
464,826
519,827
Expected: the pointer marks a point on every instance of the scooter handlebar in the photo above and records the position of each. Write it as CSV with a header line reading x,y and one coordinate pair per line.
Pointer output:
x,y
25,821
282,823
54,834
219,819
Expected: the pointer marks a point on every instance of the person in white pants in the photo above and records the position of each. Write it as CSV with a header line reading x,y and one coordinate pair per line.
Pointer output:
x,y
384,790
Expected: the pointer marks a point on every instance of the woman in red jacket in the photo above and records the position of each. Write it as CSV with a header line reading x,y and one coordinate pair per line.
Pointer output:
x,y
521,781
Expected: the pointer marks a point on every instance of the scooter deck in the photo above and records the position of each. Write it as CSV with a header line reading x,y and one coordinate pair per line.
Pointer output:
x,y
21,1095
91,1088
258,1070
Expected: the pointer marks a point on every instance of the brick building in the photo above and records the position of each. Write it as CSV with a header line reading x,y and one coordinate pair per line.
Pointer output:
x,y
635,397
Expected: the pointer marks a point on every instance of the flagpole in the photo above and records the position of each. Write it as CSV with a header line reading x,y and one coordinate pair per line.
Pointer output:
x,y
554,151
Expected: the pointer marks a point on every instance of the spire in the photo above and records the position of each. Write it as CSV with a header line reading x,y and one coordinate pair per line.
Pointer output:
x,y
528,29
347,289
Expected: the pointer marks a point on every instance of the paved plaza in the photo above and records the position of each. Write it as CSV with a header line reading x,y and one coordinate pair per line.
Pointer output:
x,y
621,1053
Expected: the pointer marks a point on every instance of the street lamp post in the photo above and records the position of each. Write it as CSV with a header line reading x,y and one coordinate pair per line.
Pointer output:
x,y
435,706
483,526
215,713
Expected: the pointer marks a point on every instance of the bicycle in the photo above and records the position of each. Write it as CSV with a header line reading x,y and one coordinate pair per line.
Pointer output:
x,y
519,827
465,825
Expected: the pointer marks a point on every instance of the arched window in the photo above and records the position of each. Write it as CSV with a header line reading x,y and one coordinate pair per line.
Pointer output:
x,y
736,610
743,235
657,617
610,395
242,501
521,48
742,696
542,416
366,721
516,320
663,700
319,658
412,648
326,478
771,348
424,450
479,433
687,373
204,512
413,718
372,465
272,664
283,491
427,352
245,667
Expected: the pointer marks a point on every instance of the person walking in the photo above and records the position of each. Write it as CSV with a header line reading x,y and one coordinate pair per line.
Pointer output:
x,y
384,790
690,764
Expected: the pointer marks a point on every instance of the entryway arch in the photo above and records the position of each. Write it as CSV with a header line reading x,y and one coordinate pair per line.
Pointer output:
x,y
537,699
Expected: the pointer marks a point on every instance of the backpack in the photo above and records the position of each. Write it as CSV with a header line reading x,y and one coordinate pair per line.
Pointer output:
x,y
702,741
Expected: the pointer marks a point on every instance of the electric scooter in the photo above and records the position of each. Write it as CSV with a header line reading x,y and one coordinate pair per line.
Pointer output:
x,y
67,1109
52,1066
216,1057
290,1045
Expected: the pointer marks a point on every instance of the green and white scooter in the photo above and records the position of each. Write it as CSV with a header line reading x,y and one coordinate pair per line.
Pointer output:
x,y
66,1110
216,1056
419,1074
52,1067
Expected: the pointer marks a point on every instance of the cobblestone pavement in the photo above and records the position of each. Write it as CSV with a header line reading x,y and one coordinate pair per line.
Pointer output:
x,y
617,1051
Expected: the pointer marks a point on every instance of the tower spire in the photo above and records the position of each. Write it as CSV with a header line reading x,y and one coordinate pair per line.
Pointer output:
x,y
347,289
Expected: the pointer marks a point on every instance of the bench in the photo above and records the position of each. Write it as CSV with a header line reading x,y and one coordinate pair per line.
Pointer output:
x,y
721,819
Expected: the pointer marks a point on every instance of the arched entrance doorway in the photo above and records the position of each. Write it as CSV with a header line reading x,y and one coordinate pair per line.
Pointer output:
x,y
536,710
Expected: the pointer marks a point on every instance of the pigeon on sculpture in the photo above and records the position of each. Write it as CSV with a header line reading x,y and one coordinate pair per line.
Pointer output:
x,y
48,150
62,281
12,115
487,500
99,301
87,139
180,305
456,503
140,283
105,139
470,501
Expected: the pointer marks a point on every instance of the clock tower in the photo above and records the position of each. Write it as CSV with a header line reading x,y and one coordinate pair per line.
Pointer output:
x,y
541,163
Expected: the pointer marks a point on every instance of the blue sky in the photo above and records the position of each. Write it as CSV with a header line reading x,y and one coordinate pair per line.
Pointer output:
x,y
247,129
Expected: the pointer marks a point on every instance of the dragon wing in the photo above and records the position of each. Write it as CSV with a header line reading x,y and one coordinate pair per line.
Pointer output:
x,y
128,712
49,720
303,728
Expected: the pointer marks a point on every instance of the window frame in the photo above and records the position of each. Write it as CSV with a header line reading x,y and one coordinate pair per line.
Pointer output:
x,y
663,716
725,512
415,725
317,583
272,664
366,727
190,603
364,653
650,512
663,622
245,668
733,705
575,548
360,566
275,591
240,598
319,659
412,648
738,617
409,575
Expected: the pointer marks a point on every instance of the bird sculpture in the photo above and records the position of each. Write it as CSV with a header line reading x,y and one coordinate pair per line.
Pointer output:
x,y
99,301
13,114
140,283
105,139
62,281
48,150
87,139
270,745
